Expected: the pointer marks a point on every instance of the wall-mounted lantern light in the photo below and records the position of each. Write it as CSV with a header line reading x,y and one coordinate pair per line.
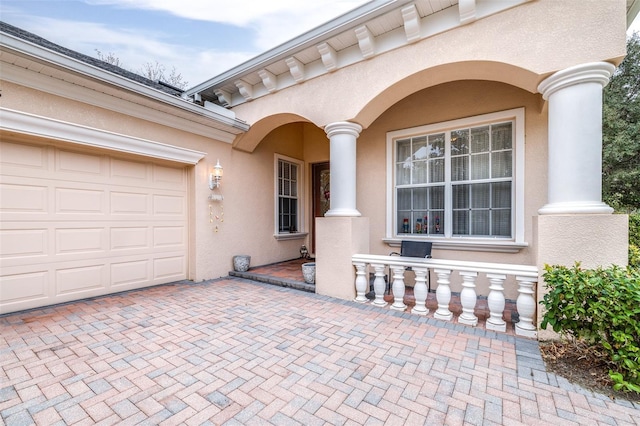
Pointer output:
x,y
216,176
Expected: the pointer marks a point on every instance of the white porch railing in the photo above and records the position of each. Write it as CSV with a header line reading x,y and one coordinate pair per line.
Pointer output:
x,y
526,276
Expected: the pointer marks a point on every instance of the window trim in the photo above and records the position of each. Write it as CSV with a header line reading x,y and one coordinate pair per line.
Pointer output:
x,y
516,242
300,226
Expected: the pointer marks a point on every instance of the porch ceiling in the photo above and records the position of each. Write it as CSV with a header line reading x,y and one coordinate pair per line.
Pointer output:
x,y
372,29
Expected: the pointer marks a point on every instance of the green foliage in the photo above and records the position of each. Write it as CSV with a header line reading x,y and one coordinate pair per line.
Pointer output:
x,y
621,133
634,240
600,306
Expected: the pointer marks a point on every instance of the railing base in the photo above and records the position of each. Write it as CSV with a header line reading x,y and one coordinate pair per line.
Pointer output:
x,y
533,334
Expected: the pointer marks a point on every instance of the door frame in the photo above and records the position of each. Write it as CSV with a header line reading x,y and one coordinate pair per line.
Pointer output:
x,y
317,194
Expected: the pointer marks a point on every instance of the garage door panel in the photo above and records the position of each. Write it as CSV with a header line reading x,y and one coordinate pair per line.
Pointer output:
x,y
131,273
76,165
24,243
168,236
169,268
130,238
78,225
23,159
130,203
24,287
75,200
19,199
130,173
169,178
169,205
82,279
80,240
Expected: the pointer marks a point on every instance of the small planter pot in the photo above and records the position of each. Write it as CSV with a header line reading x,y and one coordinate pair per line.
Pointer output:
x,y
309,272
241,263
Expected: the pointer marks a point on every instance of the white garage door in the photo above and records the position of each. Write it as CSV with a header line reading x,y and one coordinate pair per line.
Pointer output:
x,y
76,224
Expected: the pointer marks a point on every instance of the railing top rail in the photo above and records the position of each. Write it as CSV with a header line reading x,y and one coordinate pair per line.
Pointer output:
x,y
456,265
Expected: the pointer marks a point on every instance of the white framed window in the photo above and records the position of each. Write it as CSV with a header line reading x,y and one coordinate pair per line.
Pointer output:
x,y
460,180
288,196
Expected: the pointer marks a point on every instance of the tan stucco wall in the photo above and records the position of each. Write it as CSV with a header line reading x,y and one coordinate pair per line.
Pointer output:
x,y
247,185
339,239
592,240
442,103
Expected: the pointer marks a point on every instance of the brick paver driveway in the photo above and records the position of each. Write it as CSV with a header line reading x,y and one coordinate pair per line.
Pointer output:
x,y
236,352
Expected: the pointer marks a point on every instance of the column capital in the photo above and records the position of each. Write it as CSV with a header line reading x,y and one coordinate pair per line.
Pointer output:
x,y
593,72
343,127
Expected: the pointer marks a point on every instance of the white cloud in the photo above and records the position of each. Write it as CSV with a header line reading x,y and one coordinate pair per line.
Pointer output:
x,y
274,22
239,12
135,47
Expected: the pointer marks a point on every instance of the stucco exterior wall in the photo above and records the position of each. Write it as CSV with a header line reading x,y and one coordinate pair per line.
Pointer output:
x,y
247,185
442,103
592,240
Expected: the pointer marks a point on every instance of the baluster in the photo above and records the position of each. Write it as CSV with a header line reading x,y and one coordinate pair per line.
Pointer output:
x,y
496,303
379,285
468,298
443,295
526,305
420,291
361,282
398,288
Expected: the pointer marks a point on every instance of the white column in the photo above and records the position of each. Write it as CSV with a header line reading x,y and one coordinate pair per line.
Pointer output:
x,y
526,306
398,288
420,291
496,303
342,137
575,139
379,286
443,295
362,284
468,298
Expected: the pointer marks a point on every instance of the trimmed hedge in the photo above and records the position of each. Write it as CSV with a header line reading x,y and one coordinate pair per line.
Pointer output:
x,y
602,307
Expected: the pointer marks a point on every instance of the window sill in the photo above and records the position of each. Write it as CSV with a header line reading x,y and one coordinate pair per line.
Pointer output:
x,y
291,236
466,245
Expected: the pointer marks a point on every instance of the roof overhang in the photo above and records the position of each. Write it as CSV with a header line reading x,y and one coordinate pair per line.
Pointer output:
x,y
21,58
367,31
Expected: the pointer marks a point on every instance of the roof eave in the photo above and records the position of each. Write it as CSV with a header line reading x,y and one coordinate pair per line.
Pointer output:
x,y
336,26
37,52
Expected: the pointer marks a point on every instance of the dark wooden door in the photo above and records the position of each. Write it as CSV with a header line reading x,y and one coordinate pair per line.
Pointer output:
x,y
321,196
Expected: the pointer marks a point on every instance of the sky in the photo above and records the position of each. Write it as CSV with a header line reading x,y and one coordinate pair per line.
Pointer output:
x,y
199,38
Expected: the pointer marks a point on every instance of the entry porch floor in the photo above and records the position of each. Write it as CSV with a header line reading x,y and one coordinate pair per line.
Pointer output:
x,y
234,351
289,274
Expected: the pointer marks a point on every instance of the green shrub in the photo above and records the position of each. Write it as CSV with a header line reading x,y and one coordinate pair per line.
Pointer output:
x,y
634,240
602,307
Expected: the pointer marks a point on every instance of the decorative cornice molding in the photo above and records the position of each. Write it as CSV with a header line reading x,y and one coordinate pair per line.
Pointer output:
x,y
269,80
412,28
224,97
246,90
365,41
342,127
593,72
30,124
329,57
467,10
411,20
296,68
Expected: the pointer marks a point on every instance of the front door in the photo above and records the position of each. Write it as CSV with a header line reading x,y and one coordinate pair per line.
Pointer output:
x,y
321,196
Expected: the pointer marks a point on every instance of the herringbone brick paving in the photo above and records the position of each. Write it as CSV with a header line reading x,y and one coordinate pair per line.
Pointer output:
x,y
231,351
